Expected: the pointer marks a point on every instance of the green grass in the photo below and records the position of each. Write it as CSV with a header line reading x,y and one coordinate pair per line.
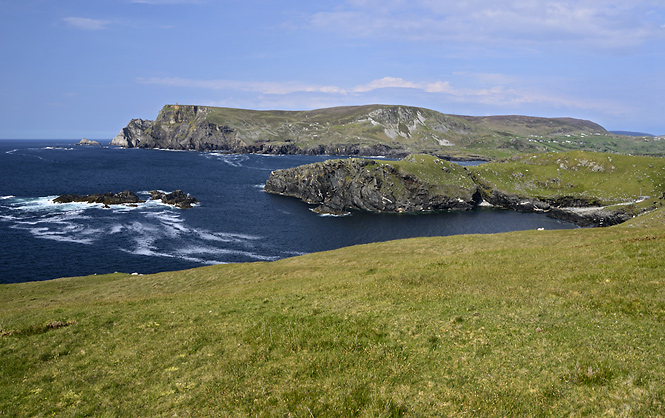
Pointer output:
x,y
533,323
604,178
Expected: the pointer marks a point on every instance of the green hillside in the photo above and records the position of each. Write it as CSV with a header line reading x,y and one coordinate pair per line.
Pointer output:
x,y
603,179
533,323
373,130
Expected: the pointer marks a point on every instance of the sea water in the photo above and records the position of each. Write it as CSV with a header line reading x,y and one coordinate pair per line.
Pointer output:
x,y
235,221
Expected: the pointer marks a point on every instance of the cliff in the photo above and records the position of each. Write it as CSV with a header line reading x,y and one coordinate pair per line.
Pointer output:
x,y
337,186
589,189
353,130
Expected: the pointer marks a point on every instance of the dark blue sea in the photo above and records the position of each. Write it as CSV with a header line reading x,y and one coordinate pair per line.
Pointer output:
x,y
236,221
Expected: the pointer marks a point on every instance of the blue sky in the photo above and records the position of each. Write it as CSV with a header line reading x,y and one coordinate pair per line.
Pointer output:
x,y
73,69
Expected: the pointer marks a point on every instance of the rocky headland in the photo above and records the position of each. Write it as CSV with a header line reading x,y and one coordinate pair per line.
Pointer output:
x,y
338,186
371,130
421,183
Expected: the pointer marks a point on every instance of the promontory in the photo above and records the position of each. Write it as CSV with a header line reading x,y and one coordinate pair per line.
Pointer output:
x,y
371,130
586,188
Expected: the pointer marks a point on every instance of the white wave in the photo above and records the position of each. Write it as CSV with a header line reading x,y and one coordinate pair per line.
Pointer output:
x,y
62,236
224,236
11,151
325,215
234,160
116,228
204,250
7,197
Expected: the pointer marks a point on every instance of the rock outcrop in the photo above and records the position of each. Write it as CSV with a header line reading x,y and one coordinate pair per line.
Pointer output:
x,y
85,141
134,134
177,198
576,210
122,198
338,186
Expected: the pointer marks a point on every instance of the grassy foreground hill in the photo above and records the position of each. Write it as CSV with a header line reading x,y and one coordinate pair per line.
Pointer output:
x,y
533,323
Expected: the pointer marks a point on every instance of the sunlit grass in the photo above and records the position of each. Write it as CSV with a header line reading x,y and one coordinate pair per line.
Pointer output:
x,y
534,323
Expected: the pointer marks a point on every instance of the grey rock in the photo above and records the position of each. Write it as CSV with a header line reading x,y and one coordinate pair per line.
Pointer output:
x,y
125,197
338,186
85,141
177,198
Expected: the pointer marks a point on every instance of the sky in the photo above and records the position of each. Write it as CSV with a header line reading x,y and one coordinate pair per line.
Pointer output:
x,y
80,68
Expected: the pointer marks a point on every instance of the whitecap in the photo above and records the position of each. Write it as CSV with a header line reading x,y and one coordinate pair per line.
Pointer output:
x,y
234,160
224,236
7,197
116,228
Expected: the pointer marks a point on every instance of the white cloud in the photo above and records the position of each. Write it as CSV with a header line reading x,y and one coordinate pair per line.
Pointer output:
x,y
613,24
483,91
263,87
86,23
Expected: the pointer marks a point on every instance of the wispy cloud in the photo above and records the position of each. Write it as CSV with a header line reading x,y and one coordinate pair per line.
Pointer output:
x,y
612,24
263,87
495,95
86,23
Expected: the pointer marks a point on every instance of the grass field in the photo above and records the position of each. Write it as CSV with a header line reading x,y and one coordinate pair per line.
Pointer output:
x,y
534,323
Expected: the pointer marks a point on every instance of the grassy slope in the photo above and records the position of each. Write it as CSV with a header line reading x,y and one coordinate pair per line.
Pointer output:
x,y
608,179
489,137
534,323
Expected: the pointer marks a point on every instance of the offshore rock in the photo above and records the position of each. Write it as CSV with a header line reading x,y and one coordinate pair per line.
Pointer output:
x,y
177,198
85,141
338,186
122,198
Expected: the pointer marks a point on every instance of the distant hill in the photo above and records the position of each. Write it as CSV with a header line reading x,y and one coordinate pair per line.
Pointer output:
x,y
630,133
370,130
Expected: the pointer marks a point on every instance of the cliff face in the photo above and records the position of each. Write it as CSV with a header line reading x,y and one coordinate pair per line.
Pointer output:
x,y
337,186
394,131
422,183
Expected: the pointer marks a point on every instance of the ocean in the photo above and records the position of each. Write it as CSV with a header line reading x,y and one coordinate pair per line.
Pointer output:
x,y
235,221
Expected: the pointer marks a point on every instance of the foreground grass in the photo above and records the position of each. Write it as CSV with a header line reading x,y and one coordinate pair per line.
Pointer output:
x,y
535,323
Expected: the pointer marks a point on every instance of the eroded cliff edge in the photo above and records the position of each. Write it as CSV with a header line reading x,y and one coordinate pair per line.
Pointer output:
x,y
576,187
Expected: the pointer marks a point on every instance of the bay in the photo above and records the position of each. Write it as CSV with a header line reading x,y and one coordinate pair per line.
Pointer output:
x,y
236,221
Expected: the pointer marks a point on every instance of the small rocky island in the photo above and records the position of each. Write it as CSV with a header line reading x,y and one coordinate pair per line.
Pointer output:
x,y
85,141
177,198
